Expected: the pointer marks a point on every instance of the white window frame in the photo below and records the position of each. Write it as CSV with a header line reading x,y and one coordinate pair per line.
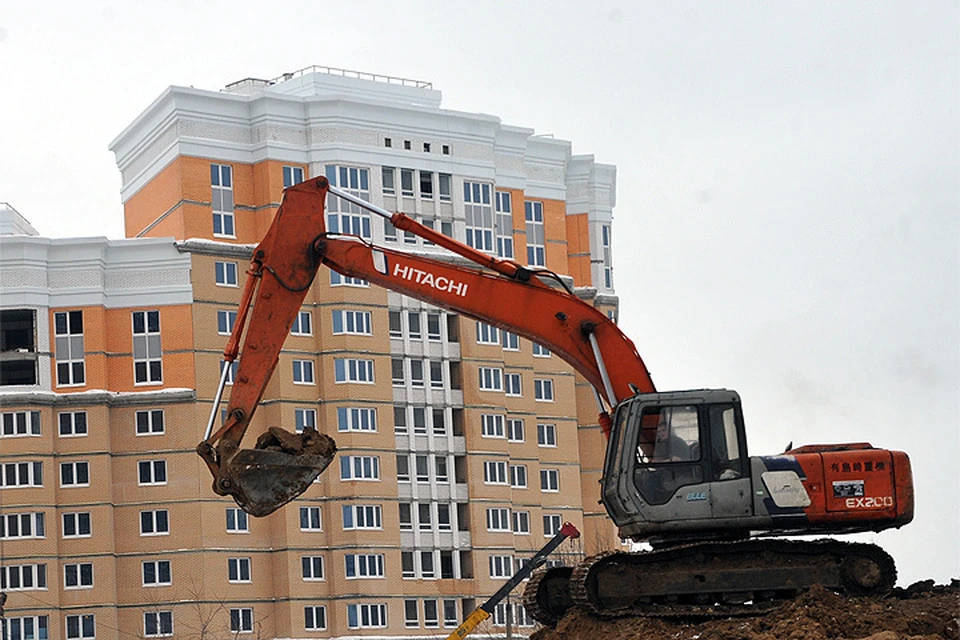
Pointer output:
x,y
310,567
546,434
77,581
161,621
495,472
518,476
80,626
80,522
237,520
487,333
303,372
552,523
225,321
360,468
304,417
302,324
516,430
504,223
292,175
358,419
221,188
549,480
478,215
490,379
366,615
540,351
513,385
364,566
31,627
151,345
225,273
69,348
152,466
543,389
352,322
155,522
239,570
241,620
521,523
345,217
362,517
72,424
24,577
23,526
353,371
536,233
492,425
149,422
158,566
79,474
315,617
501,566
24,473
498,520
509,340
311,519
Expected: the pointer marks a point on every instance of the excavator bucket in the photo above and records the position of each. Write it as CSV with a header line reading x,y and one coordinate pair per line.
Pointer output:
x,y
281,467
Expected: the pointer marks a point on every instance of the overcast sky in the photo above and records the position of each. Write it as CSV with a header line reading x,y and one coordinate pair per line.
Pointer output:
x,y
787,216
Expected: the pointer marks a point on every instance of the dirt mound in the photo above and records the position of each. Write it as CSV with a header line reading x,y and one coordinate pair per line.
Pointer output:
x,y
922,611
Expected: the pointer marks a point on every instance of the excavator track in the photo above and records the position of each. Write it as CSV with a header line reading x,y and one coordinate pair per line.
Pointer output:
x,y
711,579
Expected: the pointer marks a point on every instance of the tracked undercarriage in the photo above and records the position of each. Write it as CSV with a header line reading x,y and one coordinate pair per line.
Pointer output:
x,y
707,579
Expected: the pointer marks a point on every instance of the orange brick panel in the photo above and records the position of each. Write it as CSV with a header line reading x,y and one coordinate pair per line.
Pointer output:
x,y
159,195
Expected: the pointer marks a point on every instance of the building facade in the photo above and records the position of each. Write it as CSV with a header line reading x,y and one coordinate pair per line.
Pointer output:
x,y
462,448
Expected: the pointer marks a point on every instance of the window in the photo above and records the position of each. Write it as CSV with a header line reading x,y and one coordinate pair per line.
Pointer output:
x,y
27,628
440,469
433,327
606,256
547,435
416,373
302,324
445,149
339,280
363,565
549,480
353,370
552,522
238,569
445,183
342,216
78,576
388,174
225,321
72,423
156,573
407,569
388,142
515,430
68,348
152,472
450,618
423,468
147,354
428,570
352,323
231,368
292,176
362,516
543,389
513,385
310,519
491,426
494,472
24,423
414,326
396,372
155,522
76,525
23,577
359,467
221,187
411,614
509,341
22,474
540,351
446,565
303,372
356,419
225,273
439,422
149,422
406,516
487,333
501,566
366,616
491,379
504,210
241,620
303,418
424,516
315,618
478,210
533,212
75,474
406,182
431,613
80,627
157,623
237,521
521,522
498,520
403,467
426,182
443,517
396,324
15,526
311,568
518,476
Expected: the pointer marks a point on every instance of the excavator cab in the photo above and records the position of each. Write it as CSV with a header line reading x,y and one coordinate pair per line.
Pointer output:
x,y
676,459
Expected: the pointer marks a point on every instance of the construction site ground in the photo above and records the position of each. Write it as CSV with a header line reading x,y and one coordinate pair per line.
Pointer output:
x,y
923,611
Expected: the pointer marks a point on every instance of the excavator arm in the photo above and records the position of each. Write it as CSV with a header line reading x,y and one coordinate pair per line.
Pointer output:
x,y
533,303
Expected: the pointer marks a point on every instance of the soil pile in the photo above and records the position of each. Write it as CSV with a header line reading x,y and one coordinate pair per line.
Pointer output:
x,y
923,611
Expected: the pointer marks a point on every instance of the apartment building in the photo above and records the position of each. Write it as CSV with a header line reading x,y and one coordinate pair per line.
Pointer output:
x,y
462,448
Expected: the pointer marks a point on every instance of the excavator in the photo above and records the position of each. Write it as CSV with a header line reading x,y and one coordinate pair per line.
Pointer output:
x,y
677,474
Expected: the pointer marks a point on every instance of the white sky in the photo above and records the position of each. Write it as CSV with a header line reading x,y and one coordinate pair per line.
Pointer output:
x,y
787,218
